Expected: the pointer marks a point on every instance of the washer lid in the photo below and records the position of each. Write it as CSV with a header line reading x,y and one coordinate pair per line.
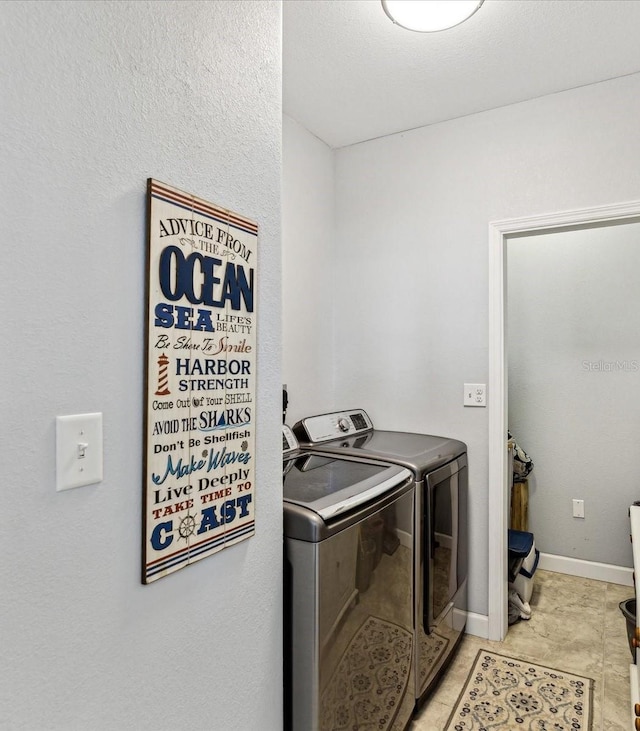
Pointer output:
x,y
418,452
329,486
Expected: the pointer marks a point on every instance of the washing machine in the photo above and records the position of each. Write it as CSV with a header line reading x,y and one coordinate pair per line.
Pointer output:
x,y
348,614
440,473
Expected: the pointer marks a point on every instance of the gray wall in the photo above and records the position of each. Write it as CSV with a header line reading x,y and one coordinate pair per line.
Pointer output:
x,y
574,384
412,221
96,97
308,233
407,288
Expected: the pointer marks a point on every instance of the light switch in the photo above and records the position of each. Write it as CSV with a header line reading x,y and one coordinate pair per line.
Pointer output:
x,y
78,450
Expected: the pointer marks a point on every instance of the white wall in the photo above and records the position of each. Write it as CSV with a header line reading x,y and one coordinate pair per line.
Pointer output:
x,y
308,263
574,384
96,97
412,213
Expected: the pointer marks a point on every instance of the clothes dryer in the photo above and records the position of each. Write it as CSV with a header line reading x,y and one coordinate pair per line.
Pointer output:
x,y
348,614
440,474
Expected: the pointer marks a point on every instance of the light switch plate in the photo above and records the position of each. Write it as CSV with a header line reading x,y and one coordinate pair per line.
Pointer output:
x,y
78,450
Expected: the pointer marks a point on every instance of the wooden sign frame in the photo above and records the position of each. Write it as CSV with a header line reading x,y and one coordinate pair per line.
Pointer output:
x,y
200,381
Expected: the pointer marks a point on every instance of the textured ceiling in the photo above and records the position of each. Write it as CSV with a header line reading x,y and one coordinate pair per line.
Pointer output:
x,y
352,75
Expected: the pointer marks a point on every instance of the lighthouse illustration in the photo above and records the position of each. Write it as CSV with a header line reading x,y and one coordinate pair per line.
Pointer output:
x,y
163,376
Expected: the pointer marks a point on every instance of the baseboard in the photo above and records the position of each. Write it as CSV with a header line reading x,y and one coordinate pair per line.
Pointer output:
x,y
478,625
444,540
586,569
406,539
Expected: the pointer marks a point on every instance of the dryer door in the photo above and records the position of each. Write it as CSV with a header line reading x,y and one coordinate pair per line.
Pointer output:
x,y
445,568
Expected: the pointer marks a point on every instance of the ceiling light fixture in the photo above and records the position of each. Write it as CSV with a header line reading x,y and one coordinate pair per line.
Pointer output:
x,y
427,16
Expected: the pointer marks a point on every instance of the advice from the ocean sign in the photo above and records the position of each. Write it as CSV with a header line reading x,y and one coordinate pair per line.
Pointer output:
x,y
200,380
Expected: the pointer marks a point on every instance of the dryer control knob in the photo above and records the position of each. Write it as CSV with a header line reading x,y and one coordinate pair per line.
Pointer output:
x,y
343,424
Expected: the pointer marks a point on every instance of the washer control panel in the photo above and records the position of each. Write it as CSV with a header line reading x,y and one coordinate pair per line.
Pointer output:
x,y
289,442
324,427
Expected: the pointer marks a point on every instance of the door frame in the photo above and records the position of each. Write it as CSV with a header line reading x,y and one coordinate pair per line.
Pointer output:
x,y
499,232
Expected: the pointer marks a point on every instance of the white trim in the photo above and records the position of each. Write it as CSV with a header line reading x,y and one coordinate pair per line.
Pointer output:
x,y
586,569
635,695
478,625
497,396
497,404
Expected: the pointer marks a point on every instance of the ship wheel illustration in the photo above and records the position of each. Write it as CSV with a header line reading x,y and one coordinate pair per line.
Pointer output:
x,y
187,526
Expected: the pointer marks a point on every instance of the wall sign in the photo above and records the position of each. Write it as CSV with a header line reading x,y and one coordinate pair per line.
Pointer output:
x,y
200,381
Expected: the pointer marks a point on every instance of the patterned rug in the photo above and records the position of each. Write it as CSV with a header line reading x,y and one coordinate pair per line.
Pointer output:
x,y
505,693
370,680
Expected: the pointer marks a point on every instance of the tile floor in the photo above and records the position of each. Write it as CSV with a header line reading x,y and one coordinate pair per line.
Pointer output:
x,y
576,626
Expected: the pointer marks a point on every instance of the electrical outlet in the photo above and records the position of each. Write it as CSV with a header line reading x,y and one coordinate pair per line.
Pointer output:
x,y
578,508
475,394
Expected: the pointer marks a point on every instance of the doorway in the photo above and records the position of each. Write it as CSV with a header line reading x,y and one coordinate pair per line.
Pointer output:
x,y
499,233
